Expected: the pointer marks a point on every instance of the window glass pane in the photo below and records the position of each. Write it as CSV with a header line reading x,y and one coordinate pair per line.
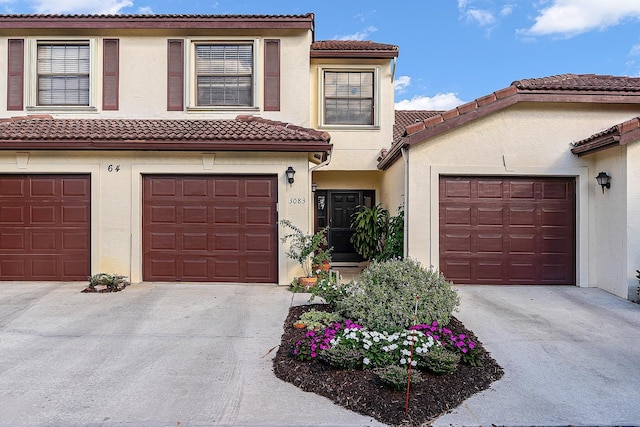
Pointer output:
x,y
348,98
63,74
224,74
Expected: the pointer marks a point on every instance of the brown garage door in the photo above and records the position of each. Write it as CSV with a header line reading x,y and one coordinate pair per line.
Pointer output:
x,y
210,228
45,227
507,230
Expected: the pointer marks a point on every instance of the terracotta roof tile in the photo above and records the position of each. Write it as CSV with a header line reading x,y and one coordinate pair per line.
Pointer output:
x,y
561,88
244,130
405,118
352,48
620,134
580,82
155,21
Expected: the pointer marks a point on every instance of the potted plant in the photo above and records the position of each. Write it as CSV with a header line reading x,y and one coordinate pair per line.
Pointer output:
x,y
307,249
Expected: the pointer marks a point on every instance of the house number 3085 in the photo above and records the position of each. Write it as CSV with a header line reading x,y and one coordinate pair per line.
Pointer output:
x,y
297,201
113,168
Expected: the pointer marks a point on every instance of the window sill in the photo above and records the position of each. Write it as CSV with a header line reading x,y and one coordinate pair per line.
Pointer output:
x,y
63,109
350,127
220,109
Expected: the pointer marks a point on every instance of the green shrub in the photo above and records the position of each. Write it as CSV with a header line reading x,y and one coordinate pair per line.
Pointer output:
x,y
439,360
376,234
342,357
315,319
397,377
328,289
111,282
384,297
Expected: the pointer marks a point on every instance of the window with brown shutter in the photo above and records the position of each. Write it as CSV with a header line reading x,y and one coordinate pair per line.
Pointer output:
x,y
224,74
272,75
110,74
175,75
15,75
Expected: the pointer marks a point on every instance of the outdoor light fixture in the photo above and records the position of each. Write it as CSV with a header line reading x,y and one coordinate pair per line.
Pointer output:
x,y
604,180
290,172
314,187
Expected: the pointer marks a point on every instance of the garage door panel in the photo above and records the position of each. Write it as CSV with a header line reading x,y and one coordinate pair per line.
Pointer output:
x,y
503,232
223,222
45,223
12,214
226,215
521,190
43,215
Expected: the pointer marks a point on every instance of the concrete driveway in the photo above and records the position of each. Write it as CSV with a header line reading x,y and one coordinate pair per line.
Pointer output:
x,y
152,355
199,355
571,356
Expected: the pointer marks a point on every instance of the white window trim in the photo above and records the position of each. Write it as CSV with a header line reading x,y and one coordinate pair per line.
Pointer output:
x,y
376,96
190,74
31,75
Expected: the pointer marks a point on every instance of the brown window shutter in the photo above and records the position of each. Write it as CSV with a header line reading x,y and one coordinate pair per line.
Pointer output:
x,y
15,75
272,75
175,75
110,74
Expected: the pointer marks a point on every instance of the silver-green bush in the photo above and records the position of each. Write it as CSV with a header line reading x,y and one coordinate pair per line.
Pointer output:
x,y
384,297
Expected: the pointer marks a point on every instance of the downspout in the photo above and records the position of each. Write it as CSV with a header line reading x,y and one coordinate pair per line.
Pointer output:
x,y
311,170
405,158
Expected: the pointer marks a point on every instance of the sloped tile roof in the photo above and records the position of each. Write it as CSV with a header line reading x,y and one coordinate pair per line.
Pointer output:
x,y
564,88
582,82
405,118
245,132
163,21
620,134
352,48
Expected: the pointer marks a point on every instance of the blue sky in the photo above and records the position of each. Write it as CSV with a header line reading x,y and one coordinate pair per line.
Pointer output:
x,y
451,51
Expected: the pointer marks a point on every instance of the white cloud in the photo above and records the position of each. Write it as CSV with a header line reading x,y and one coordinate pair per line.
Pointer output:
x,y
440,102
482,17
81,6
635,50
145,10
507,10
401,83
360,35
572,17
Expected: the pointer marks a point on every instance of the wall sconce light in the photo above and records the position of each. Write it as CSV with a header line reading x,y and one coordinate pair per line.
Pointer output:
x,y
604,180
314,187
290,172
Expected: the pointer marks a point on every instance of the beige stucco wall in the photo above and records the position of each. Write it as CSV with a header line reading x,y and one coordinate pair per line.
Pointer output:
x,y
633,217
116,196
356,148
525,139
143,78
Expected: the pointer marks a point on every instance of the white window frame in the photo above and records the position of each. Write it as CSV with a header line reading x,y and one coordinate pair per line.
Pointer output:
x,y
191,77
31,73
376,96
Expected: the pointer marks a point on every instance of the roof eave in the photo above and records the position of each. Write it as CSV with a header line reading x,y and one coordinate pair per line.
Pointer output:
x,y
345,54
144,145
156,22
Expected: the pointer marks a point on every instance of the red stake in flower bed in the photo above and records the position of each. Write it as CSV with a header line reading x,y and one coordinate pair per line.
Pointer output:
x,y
415,320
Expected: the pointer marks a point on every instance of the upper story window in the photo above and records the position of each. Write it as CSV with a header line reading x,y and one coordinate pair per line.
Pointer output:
x,y
224,74
349,98
63,71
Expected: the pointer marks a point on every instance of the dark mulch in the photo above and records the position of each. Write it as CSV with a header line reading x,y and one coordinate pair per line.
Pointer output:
x,y
358,391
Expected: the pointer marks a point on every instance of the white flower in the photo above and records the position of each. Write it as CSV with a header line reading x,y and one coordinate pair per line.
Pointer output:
x,y
376,339
406,352
403,361
414,363
366,361
419,350
385,348
367,346
393,346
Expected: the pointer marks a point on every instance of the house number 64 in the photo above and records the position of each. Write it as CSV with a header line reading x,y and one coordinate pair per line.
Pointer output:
x,y
113,168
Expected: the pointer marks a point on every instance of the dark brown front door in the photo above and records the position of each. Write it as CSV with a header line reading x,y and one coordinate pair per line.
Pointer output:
x,y
342,205
45,226
210,228
496,230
